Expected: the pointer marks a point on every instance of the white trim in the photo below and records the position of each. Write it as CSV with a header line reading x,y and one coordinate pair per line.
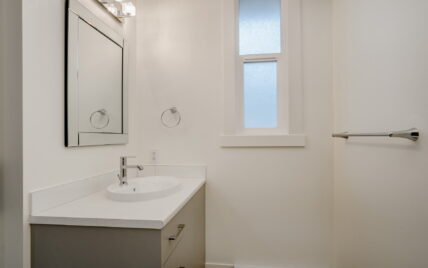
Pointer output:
x,y
290,111
236,141
294,76
218,265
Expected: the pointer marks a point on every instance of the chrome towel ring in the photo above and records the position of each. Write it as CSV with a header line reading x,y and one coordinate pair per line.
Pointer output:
x,y
176,118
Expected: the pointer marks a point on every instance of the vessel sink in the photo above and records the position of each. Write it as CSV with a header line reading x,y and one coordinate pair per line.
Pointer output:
x,y
144,188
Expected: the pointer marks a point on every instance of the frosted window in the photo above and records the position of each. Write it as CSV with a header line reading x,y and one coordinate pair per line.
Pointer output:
x,y
260,95
259,26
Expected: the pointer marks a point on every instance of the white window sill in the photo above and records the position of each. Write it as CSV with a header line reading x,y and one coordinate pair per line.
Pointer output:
x,y
272,141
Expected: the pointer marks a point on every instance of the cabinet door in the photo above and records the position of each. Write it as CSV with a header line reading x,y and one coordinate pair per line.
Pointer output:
x,y
189,251
179,258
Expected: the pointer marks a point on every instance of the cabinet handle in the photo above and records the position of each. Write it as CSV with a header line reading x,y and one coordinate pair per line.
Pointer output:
x,y
176,236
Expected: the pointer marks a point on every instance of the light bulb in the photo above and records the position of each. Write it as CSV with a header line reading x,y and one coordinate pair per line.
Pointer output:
x,y
128,9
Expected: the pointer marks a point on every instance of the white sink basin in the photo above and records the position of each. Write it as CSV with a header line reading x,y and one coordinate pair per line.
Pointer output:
x,y
144,188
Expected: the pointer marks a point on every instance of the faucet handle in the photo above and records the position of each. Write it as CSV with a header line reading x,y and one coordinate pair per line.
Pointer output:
x,y
123,159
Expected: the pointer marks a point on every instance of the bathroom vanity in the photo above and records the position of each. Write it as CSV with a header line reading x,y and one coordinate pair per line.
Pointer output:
x,y
95,231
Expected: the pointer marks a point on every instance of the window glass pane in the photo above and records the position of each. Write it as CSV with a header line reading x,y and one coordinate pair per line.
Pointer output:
x,y
259,26
260,95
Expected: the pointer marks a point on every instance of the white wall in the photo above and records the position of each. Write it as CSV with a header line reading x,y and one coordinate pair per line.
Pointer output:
x,y
46,161
10,134
265,206
381,81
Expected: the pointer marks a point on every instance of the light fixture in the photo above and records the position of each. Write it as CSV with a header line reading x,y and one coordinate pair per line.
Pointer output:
x,y
128,9
120,8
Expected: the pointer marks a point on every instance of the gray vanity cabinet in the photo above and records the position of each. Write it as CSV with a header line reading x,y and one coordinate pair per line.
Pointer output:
x,y
180,244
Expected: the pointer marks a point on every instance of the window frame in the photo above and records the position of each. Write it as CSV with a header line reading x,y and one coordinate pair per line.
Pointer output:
x,y
289,85
282,88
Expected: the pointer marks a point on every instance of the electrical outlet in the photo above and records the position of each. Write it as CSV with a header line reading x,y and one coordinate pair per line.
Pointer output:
x,y
154,155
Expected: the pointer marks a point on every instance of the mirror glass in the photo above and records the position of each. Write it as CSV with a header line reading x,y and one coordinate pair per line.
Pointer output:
x,y
96,109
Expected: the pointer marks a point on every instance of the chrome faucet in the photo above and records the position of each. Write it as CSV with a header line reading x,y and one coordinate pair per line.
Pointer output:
x,y
123,173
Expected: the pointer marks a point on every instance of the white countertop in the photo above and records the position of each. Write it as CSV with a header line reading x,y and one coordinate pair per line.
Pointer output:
x,y
97,210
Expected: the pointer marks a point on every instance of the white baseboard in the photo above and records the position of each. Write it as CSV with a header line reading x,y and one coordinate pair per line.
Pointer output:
x,y
218,265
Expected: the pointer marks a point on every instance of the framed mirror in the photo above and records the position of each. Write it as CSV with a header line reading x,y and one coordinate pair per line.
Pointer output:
x,y
96,81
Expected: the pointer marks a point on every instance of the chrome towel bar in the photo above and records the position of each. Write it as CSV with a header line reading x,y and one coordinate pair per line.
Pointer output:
x,y
410,134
